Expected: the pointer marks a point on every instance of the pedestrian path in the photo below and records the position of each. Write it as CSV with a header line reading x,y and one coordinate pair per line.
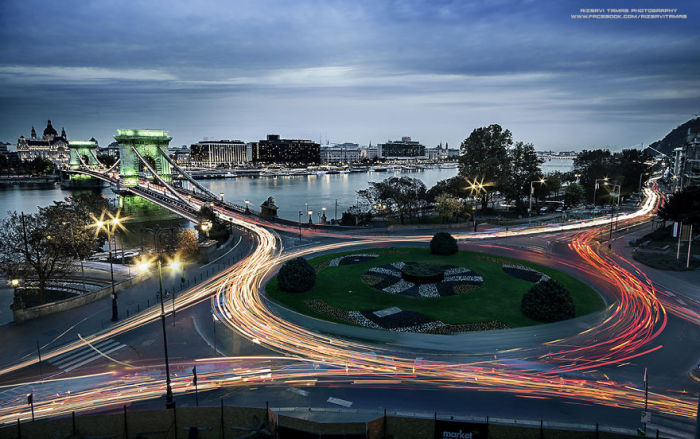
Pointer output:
x,y
86,354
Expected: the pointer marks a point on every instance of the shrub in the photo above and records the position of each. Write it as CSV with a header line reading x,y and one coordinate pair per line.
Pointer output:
x,y
443,244
548,301
422,273
296,276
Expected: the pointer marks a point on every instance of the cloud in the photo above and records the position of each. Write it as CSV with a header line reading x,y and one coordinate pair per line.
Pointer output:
x,y
421,63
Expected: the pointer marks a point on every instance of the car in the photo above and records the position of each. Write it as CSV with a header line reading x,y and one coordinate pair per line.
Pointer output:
x,y
559,209
543,209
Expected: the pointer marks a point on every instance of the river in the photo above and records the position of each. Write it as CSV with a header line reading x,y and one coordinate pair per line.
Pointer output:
x,y
292,194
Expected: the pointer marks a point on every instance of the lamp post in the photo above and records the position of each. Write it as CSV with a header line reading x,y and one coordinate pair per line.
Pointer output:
x,y
323,215
247,208
300,213
110,226
145,265
478,187
532,190
221,196
169,403
612,210
310,212
595,187
15,283
205,226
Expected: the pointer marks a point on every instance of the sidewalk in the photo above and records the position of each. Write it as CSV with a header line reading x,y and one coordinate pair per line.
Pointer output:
x,y
20,340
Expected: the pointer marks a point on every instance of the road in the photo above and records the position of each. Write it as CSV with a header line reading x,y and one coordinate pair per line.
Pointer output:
x,y
598,371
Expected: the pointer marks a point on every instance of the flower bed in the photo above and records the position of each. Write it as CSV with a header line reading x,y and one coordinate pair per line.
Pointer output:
x,y
351,259
524,273
391,278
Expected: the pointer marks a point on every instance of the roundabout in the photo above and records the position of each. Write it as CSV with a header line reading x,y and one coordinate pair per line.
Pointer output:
x,y
408,289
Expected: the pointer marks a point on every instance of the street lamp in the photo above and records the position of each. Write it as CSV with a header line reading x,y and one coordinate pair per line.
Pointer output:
x,y
15,283
300,214
595,187
310,212
477,187
110,225
144,265
616,189
532,190
247,208
221,196
323,215
206,226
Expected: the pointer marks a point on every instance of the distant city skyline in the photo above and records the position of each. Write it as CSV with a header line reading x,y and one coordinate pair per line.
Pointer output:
x,y
347,71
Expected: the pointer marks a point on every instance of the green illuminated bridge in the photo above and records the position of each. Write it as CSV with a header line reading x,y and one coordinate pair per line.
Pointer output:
x,y
143,155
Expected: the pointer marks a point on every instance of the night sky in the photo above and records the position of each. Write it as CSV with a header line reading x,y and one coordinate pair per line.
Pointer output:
x,y
353,70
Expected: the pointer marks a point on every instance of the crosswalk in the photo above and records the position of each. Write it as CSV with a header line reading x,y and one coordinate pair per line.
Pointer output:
x,y
86,354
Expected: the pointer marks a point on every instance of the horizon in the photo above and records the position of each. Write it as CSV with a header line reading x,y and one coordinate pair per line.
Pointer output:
x,y
347,71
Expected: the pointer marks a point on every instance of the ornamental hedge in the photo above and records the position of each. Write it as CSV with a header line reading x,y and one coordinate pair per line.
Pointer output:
x,y
548,301
443,244
296,276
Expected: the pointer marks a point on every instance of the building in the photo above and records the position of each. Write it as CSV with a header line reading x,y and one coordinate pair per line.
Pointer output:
x,y
180,155
440,153
341,153
292,151
218,153
51,146
402,149
686,167
370,152
111,150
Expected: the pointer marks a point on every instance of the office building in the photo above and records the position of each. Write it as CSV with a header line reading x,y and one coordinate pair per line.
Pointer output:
x,y
218,153
402,149
291,151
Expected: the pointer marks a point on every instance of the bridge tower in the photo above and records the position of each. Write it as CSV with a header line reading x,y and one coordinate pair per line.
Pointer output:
x,y
147,147
83,153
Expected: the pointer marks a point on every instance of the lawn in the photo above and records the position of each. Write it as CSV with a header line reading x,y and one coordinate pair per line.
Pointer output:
x,y
497,299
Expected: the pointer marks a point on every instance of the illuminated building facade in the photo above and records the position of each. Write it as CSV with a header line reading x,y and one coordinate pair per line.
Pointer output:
x,y
50,147
293,151
219,153
402,149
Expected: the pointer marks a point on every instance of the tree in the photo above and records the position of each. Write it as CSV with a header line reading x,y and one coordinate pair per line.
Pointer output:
x,y
683,206
524,168
484,155
296,276
443,243
448,206
548,301
553,183
402,195
43,246
187,244
455,186
624,168
573,194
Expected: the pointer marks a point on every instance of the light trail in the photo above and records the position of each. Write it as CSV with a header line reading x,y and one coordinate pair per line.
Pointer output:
x,y
638,317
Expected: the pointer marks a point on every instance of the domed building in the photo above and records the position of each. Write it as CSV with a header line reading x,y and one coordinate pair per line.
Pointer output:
x,y
51,146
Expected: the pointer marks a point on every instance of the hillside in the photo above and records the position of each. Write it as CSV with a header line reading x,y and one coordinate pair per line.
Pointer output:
x,y
676,137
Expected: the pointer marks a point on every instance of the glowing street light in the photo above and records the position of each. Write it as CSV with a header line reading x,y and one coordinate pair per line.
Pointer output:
x,y
109,225
247,204
310,212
